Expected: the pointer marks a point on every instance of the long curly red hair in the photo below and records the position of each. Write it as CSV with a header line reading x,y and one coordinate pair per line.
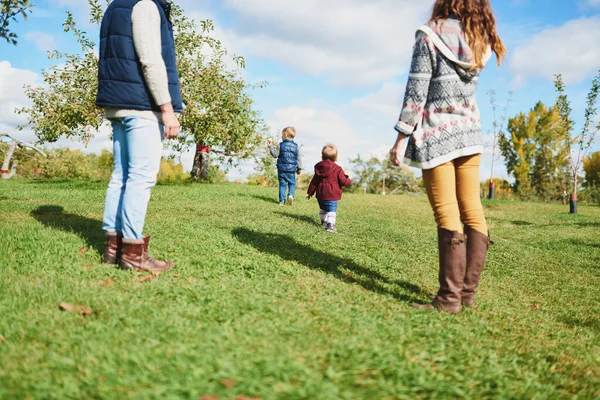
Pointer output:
x,y
479,24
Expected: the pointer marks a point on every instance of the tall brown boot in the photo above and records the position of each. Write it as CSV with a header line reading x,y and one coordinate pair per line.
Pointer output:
x,y
112,251
453,260
161,264
133,256
477,248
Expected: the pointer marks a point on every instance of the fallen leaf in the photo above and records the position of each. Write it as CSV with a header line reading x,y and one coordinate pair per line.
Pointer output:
x,y
228,383
210,397
108,282
2,338
147,278
156,273
176,276
64,258
83,250
76,309
535,306
89,266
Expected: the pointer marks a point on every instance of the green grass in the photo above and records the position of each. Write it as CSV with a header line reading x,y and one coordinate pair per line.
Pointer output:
x,y
264,298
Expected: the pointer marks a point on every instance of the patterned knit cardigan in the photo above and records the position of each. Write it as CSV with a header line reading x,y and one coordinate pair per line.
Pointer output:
x,y
440,114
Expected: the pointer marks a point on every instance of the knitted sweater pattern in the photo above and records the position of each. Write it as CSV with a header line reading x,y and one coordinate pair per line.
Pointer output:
x,y
440,114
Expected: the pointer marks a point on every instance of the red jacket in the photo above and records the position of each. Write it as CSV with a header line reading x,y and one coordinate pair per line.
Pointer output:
x,y
328,181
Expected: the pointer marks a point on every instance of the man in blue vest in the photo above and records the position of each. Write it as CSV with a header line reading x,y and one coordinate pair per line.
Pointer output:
x,y
138,88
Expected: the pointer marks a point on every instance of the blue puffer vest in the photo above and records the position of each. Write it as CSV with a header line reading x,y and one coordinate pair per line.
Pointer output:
x,y
288,156
121,81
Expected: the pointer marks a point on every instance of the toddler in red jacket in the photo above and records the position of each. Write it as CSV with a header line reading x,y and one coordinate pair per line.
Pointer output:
x,y
327,183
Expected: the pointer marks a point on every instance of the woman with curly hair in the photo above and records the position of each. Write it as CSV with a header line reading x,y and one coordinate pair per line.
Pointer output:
x,y
442,122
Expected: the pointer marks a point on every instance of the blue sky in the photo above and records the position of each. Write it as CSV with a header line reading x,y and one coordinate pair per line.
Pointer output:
x,y
336,70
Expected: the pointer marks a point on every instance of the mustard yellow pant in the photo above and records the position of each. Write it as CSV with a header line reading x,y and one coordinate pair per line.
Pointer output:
x,y
453,191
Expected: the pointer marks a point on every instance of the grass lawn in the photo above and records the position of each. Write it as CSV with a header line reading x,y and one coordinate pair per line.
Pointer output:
x,y
265,304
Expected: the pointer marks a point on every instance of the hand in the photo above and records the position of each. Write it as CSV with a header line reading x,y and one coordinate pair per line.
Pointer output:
x,y
308,196
395,152
269,141
346,173
170,121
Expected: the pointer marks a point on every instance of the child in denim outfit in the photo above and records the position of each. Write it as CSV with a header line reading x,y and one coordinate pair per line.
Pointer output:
x,y
327,184
289,164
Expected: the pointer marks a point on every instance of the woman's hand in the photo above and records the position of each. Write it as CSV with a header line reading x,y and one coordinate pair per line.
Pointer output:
x,y
308,196
395,152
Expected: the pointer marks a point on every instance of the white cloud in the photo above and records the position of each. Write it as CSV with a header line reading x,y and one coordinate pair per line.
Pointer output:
x,y
43,41
386,101
12,95
351,42
570,49
590,3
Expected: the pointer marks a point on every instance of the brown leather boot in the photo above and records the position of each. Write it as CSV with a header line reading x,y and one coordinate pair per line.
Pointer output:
x,y
453,260
161,264
133,256
112,252
477,248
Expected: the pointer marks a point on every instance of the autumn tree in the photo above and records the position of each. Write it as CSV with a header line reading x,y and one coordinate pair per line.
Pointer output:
x,y
577,144
9,11
535,153
218,114
591,166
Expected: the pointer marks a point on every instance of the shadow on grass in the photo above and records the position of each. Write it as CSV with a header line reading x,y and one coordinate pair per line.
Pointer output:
x,y
300,218
588,224
522,223
264,198
89,229
577,242
589,322
342,268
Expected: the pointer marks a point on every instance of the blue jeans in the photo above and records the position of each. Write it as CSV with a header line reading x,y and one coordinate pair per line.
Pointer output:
x,y
286,179
328,205
137,149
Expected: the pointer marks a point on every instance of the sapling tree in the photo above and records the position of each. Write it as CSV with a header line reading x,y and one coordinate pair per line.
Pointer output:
x,y
578,144
497,129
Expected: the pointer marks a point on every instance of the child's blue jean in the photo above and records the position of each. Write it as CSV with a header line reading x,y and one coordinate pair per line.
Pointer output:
x,y
286,180
137,149
328,205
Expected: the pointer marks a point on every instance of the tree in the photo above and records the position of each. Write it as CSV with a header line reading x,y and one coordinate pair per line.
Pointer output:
x,y
218,112
535,154
382,177
9,11
591,166
578,145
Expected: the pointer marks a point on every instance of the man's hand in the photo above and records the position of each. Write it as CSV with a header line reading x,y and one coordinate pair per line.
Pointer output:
x,y
395,156
170,121
269,141
308,196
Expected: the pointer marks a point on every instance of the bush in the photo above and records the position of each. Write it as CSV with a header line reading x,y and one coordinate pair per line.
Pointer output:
x,y
171,173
